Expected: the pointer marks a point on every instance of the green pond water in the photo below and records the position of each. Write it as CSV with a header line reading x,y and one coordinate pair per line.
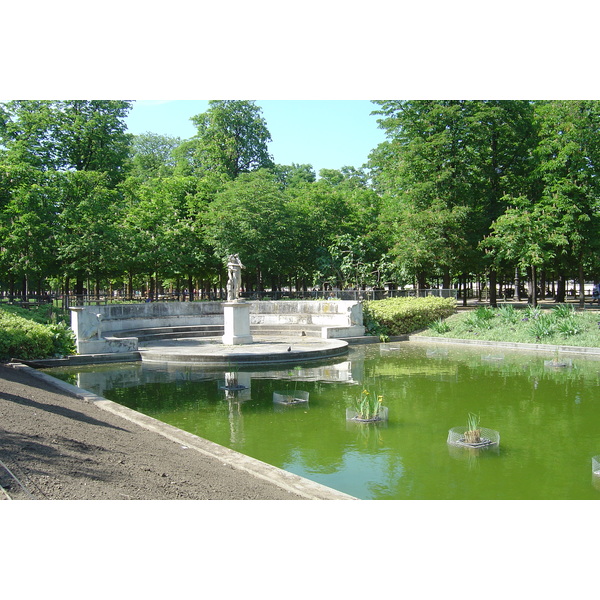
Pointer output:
x,y
548,419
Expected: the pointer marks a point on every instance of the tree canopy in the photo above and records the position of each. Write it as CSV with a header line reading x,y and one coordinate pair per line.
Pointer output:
x,y
460,190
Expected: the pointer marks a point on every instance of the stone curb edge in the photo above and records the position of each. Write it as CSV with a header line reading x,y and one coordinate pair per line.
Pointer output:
x,y
290,482
585,350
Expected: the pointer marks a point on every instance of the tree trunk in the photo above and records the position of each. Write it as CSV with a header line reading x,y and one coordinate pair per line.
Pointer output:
x,y
446,279
533,294
151,288
581,285
79,291
560,289
493,291
191,288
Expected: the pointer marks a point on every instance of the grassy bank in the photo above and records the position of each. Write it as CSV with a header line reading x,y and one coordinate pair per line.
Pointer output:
x,y
560,325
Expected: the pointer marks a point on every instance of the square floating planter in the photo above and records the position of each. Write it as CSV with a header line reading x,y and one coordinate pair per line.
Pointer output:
x,y
235,381
492,357
382,416
457,436
387,347
291,398
232,386
555,363
437,353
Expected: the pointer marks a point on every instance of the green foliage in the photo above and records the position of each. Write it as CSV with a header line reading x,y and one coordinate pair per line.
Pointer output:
x,y
542,326
473,421
459,188
440,326
507,313
367,405
232,138
26,339
443,175
570,326
532,312
399,316
530,325
372,326
481,318
152,155
564,311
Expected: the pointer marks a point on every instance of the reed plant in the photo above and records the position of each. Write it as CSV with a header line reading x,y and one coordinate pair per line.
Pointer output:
x,y
440,326
368,405
473,433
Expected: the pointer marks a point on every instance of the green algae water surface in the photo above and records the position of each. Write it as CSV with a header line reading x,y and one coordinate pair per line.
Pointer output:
x,y
548,418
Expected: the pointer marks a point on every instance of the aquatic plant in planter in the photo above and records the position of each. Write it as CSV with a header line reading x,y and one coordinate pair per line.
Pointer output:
x,y
596,465
231,382
367,408
474,436
291,397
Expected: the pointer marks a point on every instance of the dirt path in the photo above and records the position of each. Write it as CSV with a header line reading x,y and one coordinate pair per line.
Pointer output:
x,y
59,446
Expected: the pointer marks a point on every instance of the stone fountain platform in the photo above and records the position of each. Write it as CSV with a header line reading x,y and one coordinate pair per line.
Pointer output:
x,y
262,350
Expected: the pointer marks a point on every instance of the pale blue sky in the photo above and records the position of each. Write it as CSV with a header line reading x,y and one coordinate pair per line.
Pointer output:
x,y
327,134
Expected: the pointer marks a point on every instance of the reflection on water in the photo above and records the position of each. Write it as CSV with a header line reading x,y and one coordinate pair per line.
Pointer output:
x,y
548,419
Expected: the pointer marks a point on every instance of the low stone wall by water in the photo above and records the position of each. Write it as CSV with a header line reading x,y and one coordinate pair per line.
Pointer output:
x,y
100,329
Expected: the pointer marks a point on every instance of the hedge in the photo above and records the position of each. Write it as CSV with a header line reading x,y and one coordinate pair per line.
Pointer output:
x,y
24,338
399,316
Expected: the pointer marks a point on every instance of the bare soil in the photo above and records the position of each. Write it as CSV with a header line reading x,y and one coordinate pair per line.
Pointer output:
x,y
55,446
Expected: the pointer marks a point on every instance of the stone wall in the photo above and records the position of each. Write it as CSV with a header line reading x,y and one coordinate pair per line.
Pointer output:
x,y
97,328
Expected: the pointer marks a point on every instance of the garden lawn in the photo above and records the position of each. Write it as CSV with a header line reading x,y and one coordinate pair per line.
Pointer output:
x,y
561,325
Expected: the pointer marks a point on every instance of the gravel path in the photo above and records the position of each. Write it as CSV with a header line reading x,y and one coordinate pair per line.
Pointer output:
x,y
56,445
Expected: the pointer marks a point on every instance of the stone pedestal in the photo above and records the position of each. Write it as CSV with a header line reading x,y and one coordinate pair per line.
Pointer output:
x,y
237,323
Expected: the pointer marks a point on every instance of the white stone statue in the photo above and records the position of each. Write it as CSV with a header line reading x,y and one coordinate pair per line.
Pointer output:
x,y
234,273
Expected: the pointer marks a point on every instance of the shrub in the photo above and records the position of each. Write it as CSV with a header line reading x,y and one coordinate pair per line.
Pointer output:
x,y
28,339
399,316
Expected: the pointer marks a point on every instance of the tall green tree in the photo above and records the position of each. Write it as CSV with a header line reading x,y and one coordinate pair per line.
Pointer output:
x,y
27,225
80,135
152,155
63,139
26,136
569,171
154,229
91,135
232,138
446,154
87,245
251,217
525,235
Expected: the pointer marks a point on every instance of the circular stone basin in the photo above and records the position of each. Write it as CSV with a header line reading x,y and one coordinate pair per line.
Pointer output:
x,y
263,349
